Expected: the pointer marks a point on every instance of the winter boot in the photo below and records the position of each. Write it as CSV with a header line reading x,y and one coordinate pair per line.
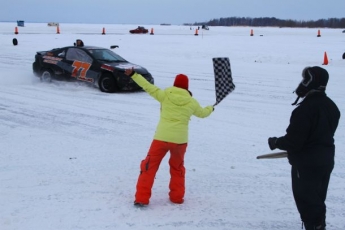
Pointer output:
x,y
139,204
312,226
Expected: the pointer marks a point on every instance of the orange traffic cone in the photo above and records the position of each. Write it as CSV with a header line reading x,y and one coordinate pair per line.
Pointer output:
x,y
152,31
325,59
16,30
58,30
318,33
196,32
103,31
251,32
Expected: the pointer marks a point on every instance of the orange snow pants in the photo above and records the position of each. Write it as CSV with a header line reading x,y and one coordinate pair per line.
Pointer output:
x,y
149,167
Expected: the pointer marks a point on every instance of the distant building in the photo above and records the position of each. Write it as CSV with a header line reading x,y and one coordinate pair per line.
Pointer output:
x,y
205,27
20,23
53,24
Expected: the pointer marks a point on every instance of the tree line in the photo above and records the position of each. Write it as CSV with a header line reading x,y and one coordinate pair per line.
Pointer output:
x,y
274,22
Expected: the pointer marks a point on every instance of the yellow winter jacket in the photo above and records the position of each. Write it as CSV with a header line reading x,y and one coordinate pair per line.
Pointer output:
x,y
177,106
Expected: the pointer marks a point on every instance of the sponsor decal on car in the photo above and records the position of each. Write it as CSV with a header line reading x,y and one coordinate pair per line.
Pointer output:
x,y
128,66
80,71
107,67
51,60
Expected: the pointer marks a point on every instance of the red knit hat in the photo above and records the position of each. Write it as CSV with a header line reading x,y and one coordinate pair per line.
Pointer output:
x,y
181,81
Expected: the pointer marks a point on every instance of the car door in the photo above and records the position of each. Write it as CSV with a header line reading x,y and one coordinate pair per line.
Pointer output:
x,y
79,65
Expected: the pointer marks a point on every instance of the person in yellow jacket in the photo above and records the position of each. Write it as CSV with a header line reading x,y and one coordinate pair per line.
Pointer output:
x,y
177,106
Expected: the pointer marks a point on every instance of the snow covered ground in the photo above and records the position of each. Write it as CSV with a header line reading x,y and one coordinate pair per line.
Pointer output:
x,y
70,155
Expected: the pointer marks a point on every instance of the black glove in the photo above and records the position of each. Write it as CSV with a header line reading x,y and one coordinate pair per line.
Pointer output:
x,y
130,72
272,142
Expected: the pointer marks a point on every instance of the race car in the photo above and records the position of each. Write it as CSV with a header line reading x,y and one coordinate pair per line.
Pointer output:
x,y
139,30
97,66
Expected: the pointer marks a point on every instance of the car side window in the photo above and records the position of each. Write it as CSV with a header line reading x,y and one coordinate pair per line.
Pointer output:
x,y
78,54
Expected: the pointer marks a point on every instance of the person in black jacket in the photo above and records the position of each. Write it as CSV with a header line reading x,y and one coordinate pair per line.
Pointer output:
x,y
310,146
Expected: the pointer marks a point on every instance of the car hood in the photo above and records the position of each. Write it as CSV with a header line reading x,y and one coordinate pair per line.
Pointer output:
x,y
127,65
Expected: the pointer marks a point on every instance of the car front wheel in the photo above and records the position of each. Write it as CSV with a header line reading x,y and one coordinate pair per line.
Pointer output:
x,y
46,75
107,83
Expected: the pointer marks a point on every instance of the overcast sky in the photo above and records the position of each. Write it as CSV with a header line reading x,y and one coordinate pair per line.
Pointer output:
x,y
165,11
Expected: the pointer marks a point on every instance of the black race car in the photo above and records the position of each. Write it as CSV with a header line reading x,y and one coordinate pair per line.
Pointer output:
x,y
98,66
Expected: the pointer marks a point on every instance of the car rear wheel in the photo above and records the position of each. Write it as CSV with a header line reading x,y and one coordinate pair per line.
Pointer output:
x,y
46,75
107,83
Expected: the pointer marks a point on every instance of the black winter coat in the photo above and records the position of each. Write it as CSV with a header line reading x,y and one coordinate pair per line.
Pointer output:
x,y
309,137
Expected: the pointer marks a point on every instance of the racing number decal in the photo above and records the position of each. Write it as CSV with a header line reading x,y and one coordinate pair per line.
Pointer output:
x,y
80,69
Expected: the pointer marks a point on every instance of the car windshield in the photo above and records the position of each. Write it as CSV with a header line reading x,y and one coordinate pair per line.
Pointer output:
x,y
106,55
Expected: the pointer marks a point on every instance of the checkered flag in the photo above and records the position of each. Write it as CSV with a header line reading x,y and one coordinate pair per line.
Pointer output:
x,y
223,78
